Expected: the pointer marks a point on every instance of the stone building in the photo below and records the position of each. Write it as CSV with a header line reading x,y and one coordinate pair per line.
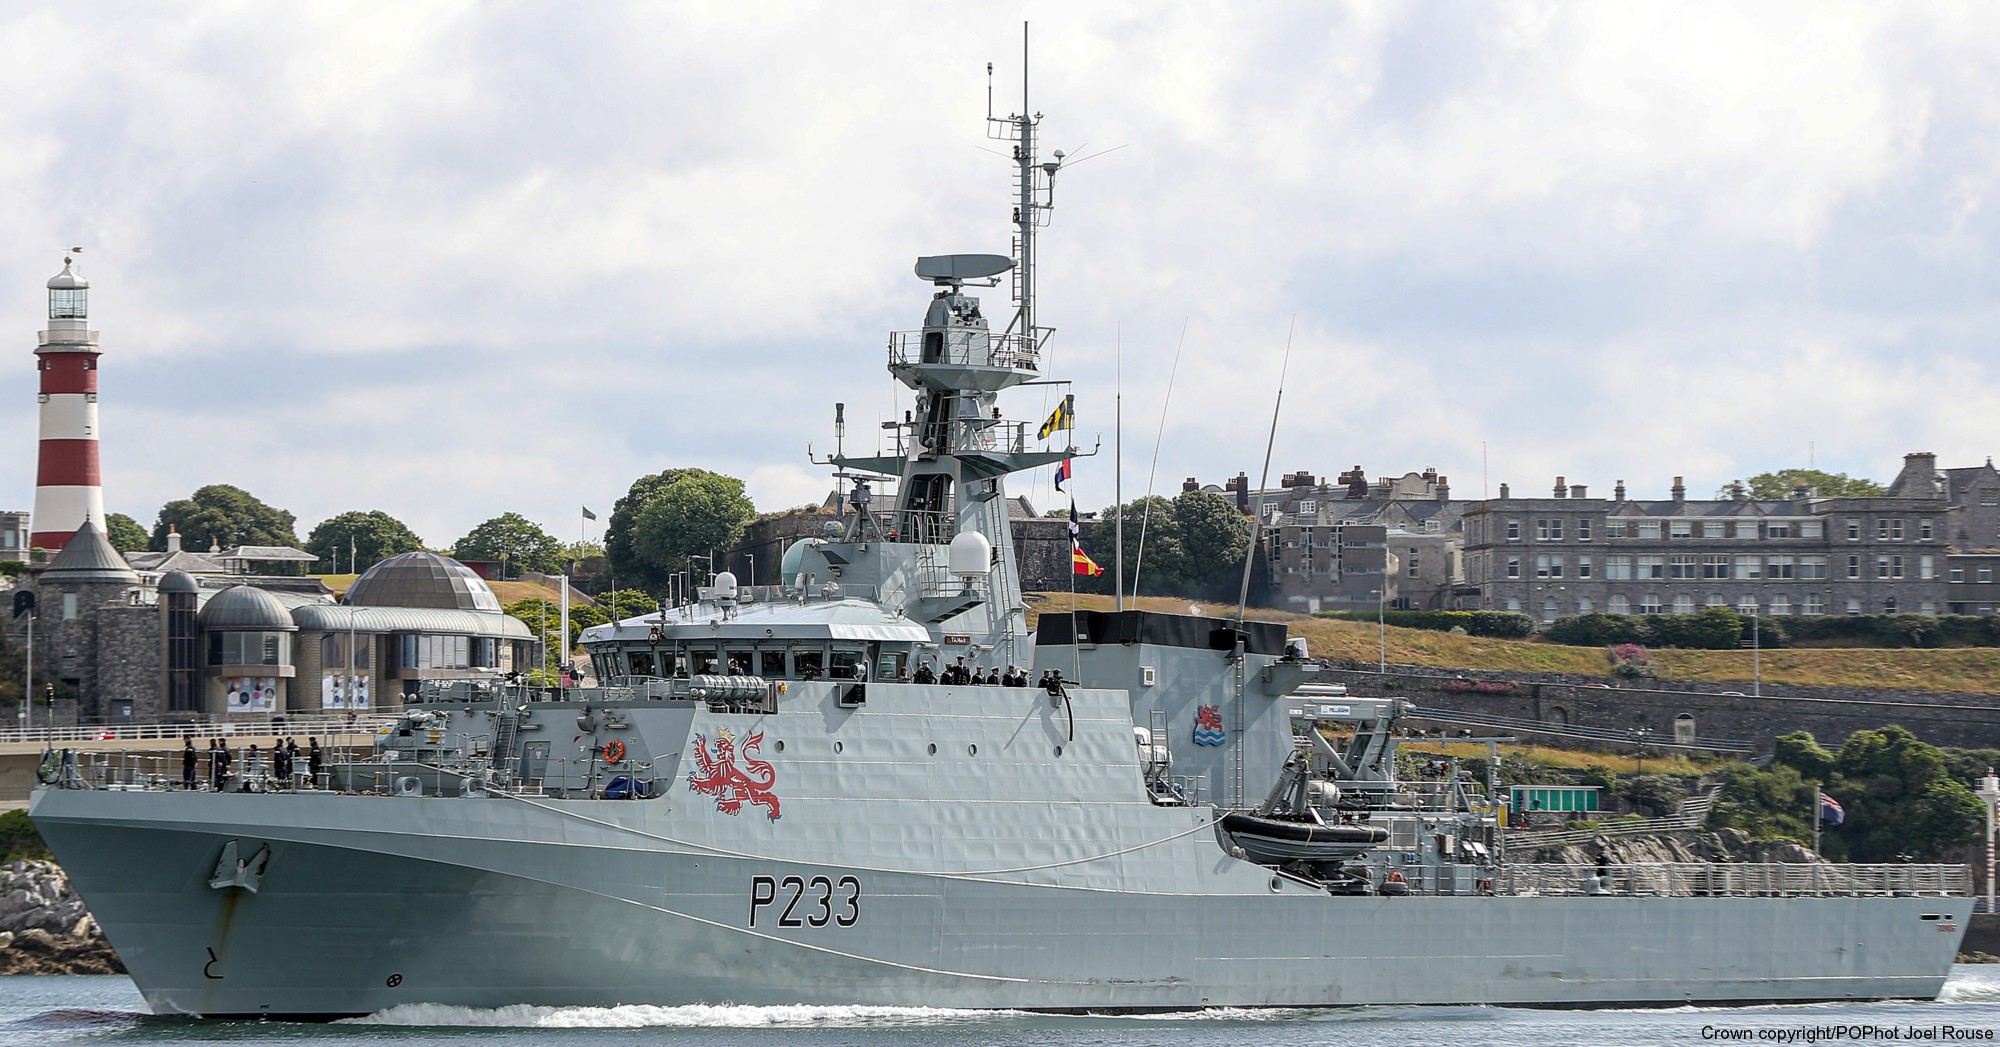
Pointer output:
x,y
1567,553
130,647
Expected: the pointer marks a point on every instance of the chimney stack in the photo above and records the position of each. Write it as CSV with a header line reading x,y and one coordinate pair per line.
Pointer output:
x,y
1680,491
1562,489
1189,486
1503,492
1618,492
1444,489
1576,491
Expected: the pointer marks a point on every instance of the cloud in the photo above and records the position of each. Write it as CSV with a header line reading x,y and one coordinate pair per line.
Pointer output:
x,y
452,259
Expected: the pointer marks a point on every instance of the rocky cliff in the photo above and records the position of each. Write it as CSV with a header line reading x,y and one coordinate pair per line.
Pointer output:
x,y
44,928
1728,845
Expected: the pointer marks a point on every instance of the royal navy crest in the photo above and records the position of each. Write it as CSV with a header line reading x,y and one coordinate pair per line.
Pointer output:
x,y
717,775
1208,725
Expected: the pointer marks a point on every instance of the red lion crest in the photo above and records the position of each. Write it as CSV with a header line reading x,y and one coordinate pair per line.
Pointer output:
x,y
717,775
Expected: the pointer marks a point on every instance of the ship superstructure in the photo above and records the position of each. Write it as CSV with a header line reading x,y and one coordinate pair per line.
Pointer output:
x,y
788,794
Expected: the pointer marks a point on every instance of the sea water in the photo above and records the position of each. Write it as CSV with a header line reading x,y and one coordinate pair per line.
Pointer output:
x,y
51,1011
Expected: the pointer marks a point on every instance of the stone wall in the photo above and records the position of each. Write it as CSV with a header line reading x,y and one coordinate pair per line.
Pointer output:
x,y
130,652
1830,713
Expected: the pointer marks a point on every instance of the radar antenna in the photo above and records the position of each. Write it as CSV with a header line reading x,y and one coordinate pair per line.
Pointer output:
x,y
1034,186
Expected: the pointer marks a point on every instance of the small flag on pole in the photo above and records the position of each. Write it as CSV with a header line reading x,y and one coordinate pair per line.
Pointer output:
x,y
587,514
1062,473
1829,811
1079,561
1063,418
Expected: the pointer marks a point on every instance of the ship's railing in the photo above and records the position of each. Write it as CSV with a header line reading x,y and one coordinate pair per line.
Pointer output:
x,y
294,724
968,347
1730,880
160,770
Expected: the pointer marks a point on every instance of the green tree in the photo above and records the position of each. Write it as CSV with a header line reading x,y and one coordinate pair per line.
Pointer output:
x,y
544,619
517,540
1780,484
225,516
669,517
1194,546
1802,752
357,537
125,533
1768,803
1899,798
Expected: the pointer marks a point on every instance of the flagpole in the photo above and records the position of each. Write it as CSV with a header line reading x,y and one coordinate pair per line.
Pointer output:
x,y
1118,469
1817,807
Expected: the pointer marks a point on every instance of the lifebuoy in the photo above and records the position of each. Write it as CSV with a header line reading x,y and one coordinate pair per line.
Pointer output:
x,y
1395,877
614,750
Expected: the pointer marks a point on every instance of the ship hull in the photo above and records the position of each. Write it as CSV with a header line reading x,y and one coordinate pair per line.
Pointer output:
x,y
369,904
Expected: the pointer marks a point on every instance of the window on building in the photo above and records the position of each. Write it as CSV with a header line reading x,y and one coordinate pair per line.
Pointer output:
x,y
1647,529
1989,496
1614,528
1583,605
1583,567
1925,569
1549,529
1649,603
1514,604
69,607
1813,604
1680,528
1853,530
1683,604
1854,567
1928,609
1712,600
1923,530
1882,529
1618,568
1309,507
1881,567
1986,574
1716,565
1749,567
1513,530
1853,605
1811,529
1682,567
1781,604
1583,529
1957,573
1812,567
1413,563
1619,604
1513,567
1779,567
1745,528
1714,529
1652,567
1549,609
1889,605
1778,530
1548,567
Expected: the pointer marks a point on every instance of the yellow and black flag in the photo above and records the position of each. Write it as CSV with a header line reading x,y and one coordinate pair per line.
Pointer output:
x,y
1064,418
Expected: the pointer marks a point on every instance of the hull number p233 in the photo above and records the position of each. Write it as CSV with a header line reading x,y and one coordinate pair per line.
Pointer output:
x,y
797,901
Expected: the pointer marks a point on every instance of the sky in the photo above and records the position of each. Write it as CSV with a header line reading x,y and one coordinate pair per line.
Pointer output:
x,y
449,260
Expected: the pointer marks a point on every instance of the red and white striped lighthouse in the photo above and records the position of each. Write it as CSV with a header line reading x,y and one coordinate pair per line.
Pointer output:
x,y
69,488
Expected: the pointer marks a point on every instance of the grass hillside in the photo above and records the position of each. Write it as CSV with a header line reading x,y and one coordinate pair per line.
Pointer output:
x,y
1973,670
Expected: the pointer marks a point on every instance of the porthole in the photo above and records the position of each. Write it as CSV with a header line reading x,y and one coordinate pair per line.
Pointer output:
x,y
1058,750
781,746
972,750
836,747
1276,884
933,748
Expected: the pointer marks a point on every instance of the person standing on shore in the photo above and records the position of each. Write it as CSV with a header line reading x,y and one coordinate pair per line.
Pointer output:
x,y
188,760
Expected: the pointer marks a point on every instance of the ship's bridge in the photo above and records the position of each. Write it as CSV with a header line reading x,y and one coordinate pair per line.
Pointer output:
x,y
845,639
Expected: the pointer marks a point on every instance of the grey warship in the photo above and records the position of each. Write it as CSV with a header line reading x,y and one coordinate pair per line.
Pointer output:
x,y
774,797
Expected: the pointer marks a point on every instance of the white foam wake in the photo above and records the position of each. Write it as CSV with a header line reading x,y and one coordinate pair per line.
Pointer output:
x,y
641,1016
